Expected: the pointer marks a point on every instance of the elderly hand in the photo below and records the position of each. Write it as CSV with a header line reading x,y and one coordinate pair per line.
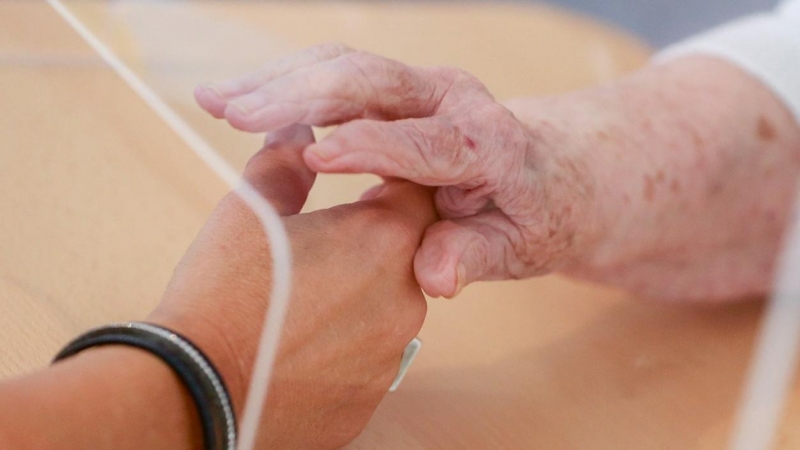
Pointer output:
x,y
512,205
355,304
674,182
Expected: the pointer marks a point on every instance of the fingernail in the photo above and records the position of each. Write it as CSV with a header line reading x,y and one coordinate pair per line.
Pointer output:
x,y
324,152
461,278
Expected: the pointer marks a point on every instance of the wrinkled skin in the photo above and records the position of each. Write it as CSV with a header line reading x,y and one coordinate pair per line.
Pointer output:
x,y
355,303
438,127
674,182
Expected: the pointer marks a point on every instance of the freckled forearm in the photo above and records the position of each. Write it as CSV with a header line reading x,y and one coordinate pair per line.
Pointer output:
x,y
694,165
715,143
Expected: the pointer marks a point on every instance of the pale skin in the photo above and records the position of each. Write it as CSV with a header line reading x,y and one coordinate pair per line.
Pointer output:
x,y
326,386
675,182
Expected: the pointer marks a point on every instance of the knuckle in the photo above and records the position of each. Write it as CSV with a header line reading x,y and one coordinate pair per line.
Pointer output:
x,y
445,148
396,234
364,70
465,78
448,201
504,131
397,83
461,78
496,112
366,62
383,229
332,49
380,67
423,142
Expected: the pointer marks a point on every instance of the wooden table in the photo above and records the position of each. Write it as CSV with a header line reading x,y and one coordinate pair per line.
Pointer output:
x,y
99,199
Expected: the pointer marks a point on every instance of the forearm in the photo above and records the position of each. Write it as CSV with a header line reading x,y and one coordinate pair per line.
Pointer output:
x,y
693,166
105,398
719,157
112,397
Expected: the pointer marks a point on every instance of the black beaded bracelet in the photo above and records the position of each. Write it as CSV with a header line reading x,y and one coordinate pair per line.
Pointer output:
x,y
195,370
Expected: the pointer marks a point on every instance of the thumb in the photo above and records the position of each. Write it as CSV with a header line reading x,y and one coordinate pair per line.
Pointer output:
x,y
278,171
412,204
454,253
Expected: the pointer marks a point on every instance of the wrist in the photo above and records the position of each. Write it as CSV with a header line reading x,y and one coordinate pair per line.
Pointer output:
x,y
565,132
128,398
216,345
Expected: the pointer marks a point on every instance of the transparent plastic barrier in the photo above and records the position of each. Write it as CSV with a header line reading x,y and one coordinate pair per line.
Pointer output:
x,y
172,46
273,226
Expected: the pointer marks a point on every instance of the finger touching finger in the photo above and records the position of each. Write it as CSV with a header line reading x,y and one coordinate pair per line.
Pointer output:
x,y
410,200
429,151
407,205
278,171
455,253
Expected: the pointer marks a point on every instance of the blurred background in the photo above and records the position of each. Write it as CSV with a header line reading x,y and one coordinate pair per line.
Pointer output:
x,y
660,22
99,200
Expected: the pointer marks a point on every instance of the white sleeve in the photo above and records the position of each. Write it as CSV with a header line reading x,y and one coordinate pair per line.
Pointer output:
x,y
765,45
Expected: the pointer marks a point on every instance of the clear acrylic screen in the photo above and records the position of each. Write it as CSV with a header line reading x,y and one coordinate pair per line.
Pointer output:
x,y
99,199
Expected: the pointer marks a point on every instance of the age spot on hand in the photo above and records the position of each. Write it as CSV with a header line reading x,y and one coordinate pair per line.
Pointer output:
x,y
765,130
